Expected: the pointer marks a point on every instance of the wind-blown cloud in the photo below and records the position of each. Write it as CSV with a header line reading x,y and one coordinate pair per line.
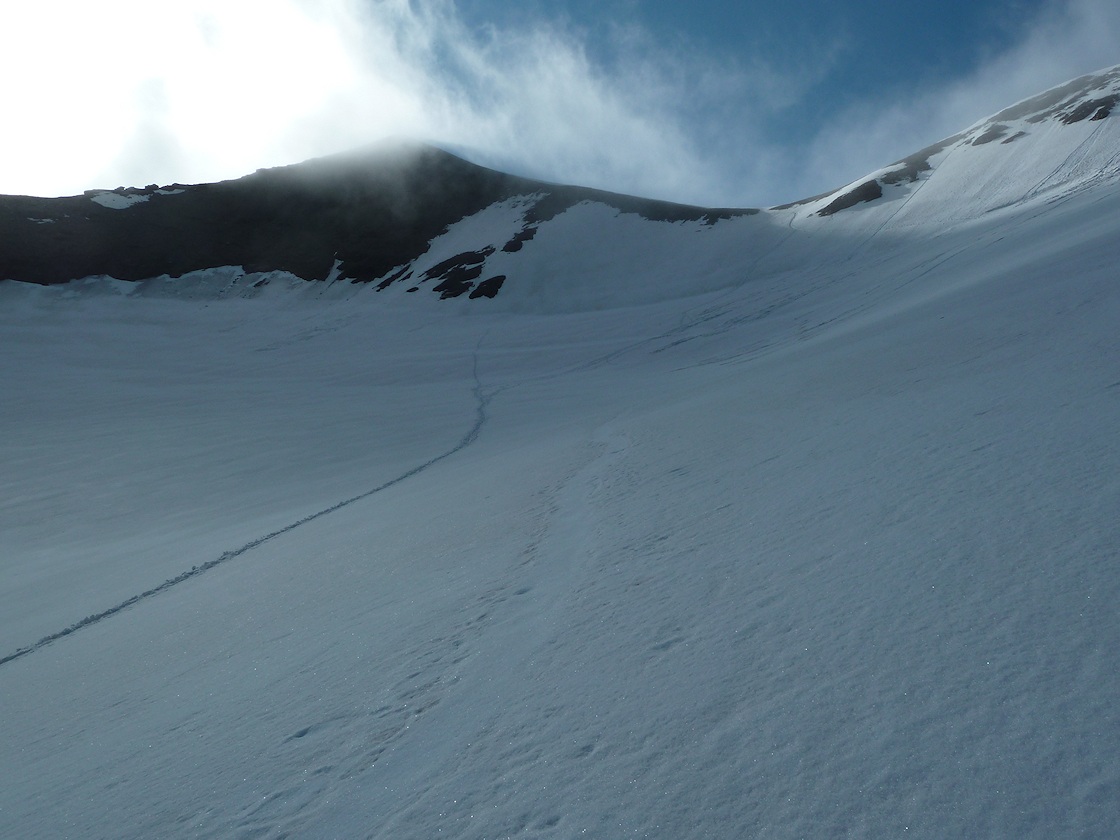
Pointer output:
x,y
137,92
134,92
1067,40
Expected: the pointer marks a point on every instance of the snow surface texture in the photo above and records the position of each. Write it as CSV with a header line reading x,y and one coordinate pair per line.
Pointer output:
x,y
122,199
820,543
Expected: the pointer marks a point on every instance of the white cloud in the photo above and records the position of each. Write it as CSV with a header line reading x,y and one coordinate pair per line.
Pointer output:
x,y
125,91
133,92
136,92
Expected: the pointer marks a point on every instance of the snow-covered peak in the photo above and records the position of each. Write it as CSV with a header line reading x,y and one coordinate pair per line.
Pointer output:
x,y
402,218
1049,145
1091,97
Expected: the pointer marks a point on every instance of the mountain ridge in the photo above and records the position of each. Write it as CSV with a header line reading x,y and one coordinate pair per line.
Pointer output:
x,y
1084,100
784,525
378,215
373,209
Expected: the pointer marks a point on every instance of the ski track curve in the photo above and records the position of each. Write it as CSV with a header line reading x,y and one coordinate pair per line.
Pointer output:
x,y
482,399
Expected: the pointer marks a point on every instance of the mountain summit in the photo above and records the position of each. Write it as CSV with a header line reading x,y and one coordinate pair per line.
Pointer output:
x,y
1058,141
373,211
417,218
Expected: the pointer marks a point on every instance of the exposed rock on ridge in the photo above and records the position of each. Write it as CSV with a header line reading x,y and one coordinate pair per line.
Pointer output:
x,y
372,212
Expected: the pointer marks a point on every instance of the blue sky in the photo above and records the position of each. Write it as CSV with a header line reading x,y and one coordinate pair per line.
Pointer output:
x,y
866,46
729,103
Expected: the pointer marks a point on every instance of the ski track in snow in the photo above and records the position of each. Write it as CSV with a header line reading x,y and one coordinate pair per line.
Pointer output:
x,y
482,400
825,550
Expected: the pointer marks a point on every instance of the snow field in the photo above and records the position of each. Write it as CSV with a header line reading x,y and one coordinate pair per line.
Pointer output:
x,y
817,552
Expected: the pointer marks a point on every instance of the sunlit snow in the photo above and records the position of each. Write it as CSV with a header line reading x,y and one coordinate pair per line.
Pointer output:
x,y
785,526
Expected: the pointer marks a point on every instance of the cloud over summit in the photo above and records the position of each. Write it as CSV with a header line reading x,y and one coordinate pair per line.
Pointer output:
x,y
133,92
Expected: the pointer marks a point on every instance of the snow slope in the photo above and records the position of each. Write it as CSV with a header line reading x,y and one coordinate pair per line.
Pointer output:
x,y
811,533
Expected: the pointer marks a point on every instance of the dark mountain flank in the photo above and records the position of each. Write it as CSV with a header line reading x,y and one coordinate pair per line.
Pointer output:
x,y
372,211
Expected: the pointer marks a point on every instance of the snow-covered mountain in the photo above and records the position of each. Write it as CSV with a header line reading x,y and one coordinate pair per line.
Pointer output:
x,y
417,218
390,496
384,216
1046,146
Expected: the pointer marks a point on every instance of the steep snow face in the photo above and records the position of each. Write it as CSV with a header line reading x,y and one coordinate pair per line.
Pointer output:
x,y
1043,148
417,221
590,256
